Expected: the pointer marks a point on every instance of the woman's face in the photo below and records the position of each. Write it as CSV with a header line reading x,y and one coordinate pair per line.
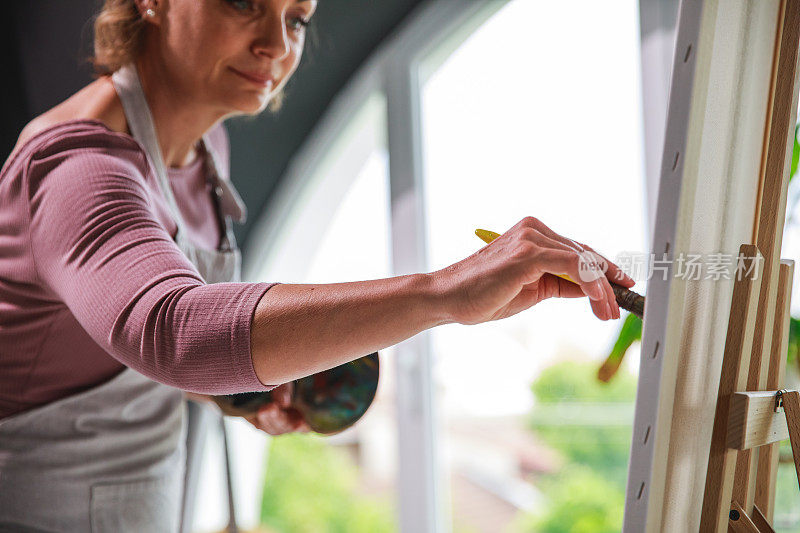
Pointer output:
x,y
231,55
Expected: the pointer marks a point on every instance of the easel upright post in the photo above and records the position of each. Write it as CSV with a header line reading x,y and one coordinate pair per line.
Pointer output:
x,y
722,460
766,478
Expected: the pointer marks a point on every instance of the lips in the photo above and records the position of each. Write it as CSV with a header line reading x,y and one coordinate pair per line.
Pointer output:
x,y
263,80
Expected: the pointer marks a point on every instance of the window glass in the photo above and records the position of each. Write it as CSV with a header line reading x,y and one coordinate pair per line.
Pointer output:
x,y
536,113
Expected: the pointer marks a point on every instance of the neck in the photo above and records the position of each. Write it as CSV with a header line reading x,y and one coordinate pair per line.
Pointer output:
x,y
180,122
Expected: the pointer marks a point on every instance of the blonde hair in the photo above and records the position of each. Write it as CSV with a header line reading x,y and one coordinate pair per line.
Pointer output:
x,y
118,38
118,35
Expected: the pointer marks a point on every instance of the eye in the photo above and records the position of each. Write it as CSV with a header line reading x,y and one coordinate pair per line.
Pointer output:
x,y
298,23
244,6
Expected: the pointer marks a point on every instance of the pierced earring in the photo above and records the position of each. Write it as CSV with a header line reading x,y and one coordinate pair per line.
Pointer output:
x,y
150,12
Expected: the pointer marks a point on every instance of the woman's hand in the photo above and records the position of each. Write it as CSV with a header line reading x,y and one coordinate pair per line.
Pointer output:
x,y
278,417
516,271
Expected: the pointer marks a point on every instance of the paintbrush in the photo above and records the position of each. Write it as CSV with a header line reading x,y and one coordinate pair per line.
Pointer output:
x,y
626,298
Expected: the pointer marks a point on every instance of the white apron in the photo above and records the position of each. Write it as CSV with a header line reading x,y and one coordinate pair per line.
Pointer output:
x,y
112,458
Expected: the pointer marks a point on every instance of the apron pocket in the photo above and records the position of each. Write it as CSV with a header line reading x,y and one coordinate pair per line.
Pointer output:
x,y
151,504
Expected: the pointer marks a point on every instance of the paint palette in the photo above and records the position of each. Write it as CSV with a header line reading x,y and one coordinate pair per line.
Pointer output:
x,y
330,401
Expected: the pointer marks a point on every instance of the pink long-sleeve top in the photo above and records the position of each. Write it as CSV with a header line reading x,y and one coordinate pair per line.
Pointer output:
x,y
91,280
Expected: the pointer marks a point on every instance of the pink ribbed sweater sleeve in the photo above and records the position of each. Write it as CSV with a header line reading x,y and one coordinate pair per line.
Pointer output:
x,y
98,246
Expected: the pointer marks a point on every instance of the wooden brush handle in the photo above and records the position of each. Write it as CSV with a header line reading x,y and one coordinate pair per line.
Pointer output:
x,y
629,300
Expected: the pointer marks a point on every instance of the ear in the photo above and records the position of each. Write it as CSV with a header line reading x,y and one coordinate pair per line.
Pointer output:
x,y
149,10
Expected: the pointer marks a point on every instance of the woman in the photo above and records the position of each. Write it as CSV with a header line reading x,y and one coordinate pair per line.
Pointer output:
x,y
119,274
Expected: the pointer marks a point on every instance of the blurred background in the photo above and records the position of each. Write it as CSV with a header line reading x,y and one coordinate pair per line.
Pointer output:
x,y
409,125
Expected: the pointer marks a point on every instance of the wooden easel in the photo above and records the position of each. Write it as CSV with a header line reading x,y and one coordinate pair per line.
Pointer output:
x,y
743,460
710,200
752,414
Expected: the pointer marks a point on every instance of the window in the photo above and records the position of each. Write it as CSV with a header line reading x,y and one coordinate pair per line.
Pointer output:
x,y
532,115
489,111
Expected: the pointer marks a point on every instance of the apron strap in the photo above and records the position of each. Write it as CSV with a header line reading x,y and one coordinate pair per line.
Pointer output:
x,y
140,120
230,201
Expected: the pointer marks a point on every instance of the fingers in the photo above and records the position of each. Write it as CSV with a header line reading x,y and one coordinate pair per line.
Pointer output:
x,y
540,226
282,394
545,245
568,262
277,421
274,420
278,416
551,286
540,251
556,287
557,257
613,306
612,271
598,290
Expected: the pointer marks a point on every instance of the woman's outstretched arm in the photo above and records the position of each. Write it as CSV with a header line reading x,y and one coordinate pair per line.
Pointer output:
x,y
299,330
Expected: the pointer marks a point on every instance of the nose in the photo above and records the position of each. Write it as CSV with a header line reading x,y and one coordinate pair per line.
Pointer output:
x,y
273,40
